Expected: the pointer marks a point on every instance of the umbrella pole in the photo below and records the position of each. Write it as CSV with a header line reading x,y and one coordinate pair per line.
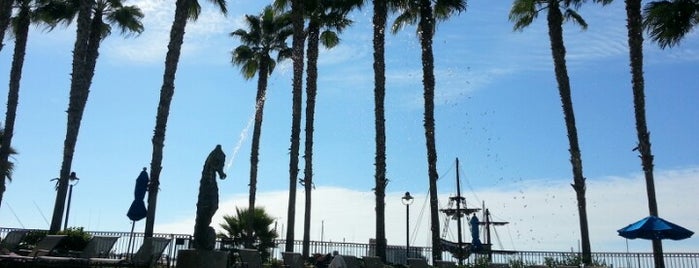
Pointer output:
x,y
133,224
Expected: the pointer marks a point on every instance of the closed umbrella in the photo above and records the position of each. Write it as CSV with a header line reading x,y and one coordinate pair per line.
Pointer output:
x,y
138,210
476,245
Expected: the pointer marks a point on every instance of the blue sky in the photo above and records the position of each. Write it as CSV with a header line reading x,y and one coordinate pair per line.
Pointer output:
x,y
497,109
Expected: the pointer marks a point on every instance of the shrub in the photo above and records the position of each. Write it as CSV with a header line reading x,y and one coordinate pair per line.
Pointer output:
x,y
76,240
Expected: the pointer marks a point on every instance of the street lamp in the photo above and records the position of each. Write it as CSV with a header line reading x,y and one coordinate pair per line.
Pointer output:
x,y
73,180
407,200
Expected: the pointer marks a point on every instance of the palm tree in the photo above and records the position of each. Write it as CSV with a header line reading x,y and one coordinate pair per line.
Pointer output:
x,y
267,33
297,12
381,9
667,22
423,10
634,26
94,19
522,14
326,19
20,28
184,10
236,229
6,166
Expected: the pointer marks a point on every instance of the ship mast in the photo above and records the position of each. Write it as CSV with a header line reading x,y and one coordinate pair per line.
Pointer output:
x,y
458,209
488,223
458,213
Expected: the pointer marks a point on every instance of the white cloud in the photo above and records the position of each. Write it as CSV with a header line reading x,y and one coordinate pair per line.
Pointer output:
x,y
202,35
542,213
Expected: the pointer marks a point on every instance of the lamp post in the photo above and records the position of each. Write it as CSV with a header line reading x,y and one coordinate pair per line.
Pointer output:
x,y
74,181
407,200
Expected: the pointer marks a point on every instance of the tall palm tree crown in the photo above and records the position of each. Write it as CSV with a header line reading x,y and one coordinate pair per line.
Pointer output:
x,y
267,33
667,22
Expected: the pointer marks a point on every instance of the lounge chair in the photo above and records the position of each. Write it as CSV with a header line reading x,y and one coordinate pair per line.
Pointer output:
x,y
293,260
250,258
444,264
97,247
372,262
12,240
351,261
44,247
417,263
146,256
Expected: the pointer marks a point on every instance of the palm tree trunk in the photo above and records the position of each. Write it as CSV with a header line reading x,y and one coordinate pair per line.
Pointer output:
x,y
166,93
311,91
635,34
5,14
13,93
255,151
558,51
79,90
426,25
379,20
297,56
93,46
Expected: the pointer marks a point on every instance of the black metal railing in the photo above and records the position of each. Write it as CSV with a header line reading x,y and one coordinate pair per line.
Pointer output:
x,y
128,243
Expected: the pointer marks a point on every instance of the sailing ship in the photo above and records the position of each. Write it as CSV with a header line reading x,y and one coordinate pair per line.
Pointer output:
x,y
457,210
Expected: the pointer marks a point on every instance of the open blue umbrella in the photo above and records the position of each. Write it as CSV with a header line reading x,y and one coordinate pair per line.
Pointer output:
x,y
653,227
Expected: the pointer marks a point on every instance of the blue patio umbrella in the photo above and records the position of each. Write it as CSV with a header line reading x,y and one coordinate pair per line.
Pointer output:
x,y
476,244
652,228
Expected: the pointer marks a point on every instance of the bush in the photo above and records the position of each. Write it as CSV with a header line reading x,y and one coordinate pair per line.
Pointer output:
x,y
570,260
76,240
31,239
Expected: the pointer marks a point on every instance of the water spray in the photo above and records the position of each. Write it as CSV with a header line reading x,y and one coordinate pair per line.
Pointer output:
x,y
243,135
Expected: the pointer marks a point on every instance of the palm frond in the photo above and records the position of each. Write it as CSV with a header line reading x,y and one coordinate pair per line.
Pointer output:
x,y
443,9
572,15
127,18
192,8
221,4
407,17
55,12
329,39
523,13
8,168
667,22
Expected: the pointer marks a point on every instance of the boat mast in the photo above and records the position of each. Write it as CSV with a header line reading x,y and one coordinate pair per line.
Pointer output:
x,y
462,249
459,214
488,222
